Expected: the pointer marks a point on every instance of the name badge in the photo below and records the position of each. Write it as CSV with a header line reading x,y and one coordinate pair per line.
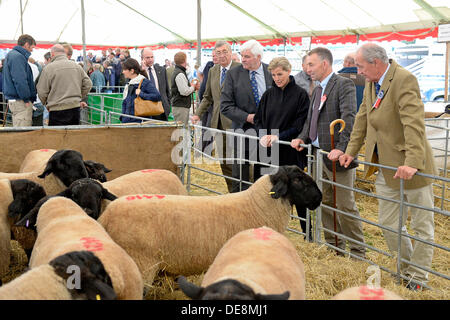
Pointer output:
x,y
379,98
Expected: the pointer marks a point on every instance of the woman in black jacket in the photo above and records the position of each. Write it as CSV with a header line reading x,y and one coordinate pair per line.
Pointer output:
x,y
282,112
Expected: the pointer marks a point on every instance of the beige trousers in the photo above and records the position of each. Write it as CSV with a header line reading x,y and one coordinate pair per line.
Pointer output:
x,y
22,115
422,223
181,114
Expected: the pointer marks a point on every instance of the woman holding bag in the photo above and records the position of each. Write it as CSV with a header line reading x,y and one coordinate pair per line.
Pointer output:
x,y
138,86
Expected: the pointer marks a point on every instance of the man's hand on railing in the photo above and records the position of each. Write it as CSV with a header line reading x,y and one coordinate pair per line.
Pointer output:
x,y
405,172
268,140
345,160
83,105
335,154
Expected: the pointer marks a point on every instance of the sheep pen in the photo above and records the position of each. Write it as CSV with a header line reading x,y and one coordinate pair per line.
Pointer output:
x,y
326,273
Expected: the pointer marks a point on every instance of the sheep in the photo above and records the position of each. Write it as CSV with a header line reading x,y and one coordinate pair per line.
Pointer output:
x,y
36,160
87,193
255,264
183,234
50,281
15,196
366,293
62,226
145,181
63,168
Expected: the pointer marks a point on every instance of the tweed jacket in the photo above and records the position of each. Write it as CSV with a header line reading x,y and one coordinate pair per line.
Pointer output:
x,y
163,85
340,103
236,99
212,96
396,127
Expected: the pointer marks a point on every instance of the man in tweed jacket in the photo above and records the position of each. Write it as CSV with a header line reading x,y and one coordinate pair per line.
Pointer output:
x,y
334,98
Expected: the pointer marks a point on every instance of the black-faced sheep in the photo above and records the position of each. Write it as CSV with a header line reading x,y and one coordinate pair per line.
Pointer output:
x,y
255,264
36,161
183,234
16,196
63,227
63,168
50,281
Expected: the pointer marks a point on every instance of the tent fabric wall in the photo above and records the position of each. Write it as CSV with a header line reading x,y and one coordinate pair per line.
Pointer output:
x,y
172,23
123,150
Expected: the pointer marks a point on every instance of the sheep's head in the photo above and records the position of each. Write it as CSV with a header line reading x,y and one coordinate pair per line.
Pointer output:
x,y
29,219
96,170
88,194
67,165
294,184
95,283
228,289
26,194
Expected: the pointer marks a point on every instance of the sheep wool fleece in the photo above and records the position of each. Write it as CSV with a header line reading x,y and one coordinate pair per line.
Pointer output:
x,y
36,160
6,197
63,227
264,260
40,283
183,234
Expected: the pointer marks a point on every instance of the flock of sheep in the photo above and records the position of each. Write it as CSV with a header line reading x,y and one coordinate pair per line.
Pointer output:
x,y
88,238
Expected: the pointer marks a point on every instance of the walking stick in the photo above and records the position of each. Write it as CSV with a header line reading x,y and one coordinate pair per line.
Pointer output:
x,y
332,124
6,113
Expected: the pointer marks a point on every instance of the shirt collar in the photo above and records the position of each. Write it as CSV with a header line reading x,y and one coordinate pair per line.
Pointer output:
x,y
228,66
259,70
380,82
324,82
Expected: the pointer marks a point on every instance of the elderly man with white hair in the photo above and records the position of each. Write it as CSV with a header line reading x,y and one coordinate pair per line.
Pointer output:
x,y
391,123
62,87
243,87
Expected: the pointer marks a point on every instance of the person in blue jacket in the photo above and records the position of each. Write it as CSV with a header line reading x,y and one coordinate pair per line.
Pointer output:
x,y
18,83
132,70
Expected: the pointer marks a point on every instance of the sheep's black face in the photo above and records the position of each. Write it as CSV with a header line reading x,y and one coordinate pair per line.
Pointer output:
x,y
67,165
291,182
88,194
29,220
96,170
95,283
26,194
228,289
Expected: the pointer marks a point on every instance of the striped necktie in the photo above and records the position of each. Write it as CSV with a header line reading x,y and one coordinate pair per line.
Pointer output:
x,y
222,76
254,87
377,88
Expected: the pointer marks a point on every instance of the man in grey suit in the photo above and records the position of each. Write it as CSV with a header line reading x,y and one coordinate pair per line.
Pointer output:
x,y
242,90
333,98
214,85
158,75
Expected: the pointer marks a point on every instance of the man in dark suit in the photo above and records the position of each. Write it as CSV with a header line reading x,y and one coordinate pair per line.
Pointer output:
x,y
158,75
214,85
242,90
334,98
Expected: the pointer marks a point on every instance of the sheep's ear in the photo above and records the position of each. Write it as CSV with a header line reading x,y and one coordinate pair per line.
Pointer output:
x,y
108,195
106,170
280,182
283,296
48,169
29,220
189,289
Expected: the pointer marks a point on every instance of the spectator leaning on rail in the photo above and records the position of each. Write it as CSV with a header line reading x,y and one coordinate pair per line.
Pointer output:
x,y
132,70
391,122
18,83
333,98
62,86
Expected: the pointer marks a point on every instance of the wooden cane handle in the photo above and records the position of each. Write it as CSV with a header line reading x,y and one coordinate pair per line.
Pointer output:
x,y
332,124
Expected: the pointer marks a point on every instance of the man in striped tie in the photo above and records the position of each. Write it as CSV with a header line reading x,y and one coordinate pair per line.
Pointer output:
x,y
241,92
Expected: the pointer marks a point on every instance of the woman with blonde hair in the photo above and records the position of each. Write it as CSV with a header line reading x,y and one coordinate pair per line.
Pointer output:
x,y
282,113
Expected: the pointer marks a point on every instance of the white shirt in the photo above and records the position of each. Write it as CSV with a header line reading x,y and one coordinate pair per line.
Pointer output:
x,y
152,68
323,84
380,82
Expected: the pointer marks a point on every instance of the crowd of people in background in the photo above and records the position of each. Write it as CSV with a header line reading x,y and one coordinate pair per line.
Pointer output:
x,y
378,100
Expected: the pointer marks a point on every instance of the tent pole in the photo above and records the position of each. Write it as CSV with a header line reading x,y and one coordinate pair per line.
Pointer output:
x,y
199,33
83,34
21,17
447,58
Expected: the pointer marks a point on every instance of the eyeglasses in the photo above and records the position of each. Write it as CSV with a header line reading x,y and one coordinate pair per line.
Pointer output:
x,y
221,53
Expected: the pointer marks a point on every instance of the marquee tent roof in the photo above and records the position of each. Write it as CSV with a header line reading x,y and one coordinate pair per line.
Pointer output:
x,y
173,23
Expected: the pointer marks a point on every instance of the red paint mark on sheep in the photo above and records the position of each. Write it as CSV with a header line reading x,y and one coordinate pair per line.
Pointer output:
x,y
44,150
262,234
92,244
149,170
371,294
144,196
